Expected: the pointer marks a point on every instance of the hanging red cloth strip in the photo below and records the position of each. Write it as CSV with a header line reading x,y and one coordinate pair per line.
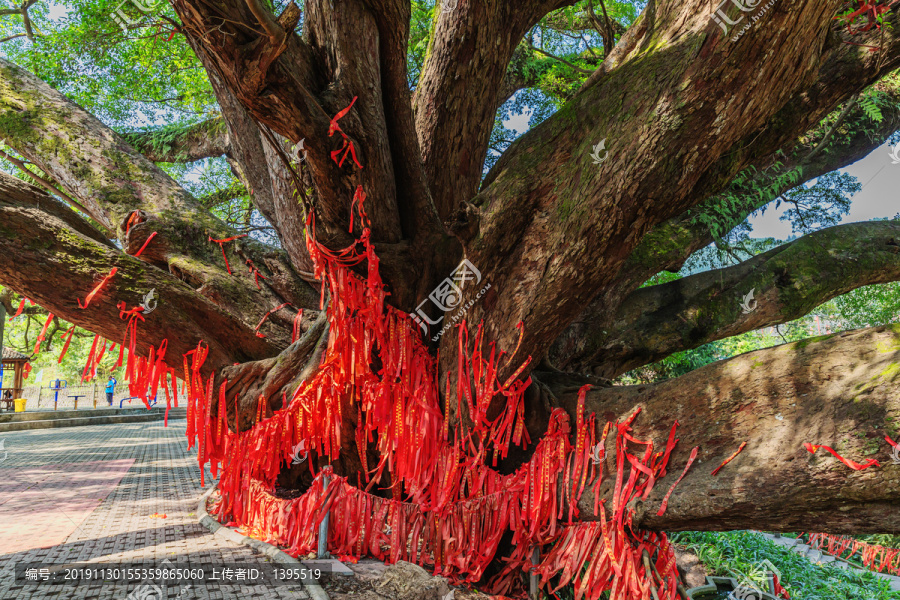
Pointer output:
x,y
266,316
665,502
146,243
90,365
37,345
221,244
21,308
348,143
730,458
133,219
295,332
100,285
67,336
255,272
853,465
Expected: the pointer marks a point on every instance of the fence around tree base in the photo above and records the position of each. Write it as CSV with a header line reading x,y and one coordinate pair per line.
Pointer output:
x,y
83,397
873,556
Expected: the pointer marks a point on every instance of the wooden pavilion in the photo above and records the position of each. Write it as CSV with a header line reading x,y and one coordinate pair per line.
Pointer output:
x,y
13,371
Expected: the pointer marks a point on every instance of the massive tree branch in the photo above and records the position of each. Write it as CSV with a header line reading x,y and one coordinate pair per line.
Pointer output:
x,y
553,240
289,93
840,391
185,144
787,282
98,167
54,257
463,75
669,244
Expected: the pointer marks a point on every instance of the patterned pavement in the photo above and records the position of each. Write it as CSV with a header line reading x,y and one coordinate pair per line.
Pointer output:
x,y
89,494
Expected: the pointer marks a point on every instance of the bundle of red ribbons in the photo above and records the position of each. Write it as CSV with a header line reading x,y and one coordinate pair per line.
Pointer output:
x,y
449,508
873,556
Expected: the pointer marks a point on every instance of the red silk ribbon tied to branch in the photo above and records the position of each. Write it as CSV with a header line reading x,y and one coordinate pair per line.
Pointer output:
x,y
730,458
853,465
295,332
37,346
67,336
99,287
665,502
872,10
146,243
266,316
255,272
21,308
348,144
221,244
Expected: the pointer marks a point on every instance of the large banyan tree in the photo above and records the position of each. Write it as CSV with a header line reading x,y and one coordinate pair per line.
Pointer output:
x,y
439,325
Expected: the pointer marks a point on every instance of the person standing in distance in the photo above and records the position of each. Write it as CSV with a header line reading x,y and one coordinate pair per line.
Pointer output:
x,y
110,389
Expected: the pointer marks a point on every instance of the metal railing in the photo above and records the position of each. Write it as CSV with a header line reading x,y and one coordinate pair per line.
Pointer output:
x,y
85,397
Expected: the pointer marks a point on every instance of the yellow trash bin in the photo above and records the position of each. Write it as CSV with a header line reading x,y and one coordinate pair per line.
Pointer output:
x,y
20,404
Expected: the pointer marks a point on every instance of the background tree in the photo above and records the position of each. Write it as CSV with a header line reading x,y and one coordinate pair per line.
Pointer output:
x,y
700,131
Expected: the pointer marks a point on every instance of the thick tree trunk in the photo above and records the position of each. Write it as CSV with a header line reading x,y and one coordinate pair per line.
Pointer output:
x,y
550,231
786,283
116,183
56,258
839,391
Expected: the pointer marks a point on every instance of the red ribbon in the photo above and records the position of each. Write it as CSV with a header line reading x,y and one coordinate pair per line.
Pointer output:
x,y
146,242
21,308
730,458
348,144
665,502
853,465
255,272
37,346
100,285
67,335
221,244
266,316
295,332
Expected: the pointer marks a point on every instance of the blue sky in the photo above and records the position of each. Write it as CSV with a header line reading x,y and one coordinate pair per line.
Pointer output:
x,y
879,196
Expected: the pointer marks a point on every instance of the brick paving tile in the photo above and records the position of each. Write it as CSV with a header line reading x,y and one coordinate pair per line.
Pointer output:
x,y
88,493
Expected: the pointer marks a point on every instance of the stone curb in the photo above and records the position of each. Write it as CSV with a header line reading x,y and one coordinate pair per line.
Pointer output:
x,y
280,557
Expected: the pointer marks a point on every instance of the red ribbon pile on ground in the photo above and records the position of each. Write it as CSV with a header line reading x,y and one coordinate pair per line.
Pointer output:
x,y
873,556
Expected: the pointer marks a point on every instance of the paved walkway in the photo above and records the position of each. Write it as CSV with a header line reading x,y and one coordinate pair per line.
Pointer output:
x,y
88,494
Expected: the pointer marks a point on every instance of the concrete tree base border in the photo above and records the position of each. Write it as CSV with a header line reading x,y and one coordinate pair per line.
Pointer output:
x,y
315,592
